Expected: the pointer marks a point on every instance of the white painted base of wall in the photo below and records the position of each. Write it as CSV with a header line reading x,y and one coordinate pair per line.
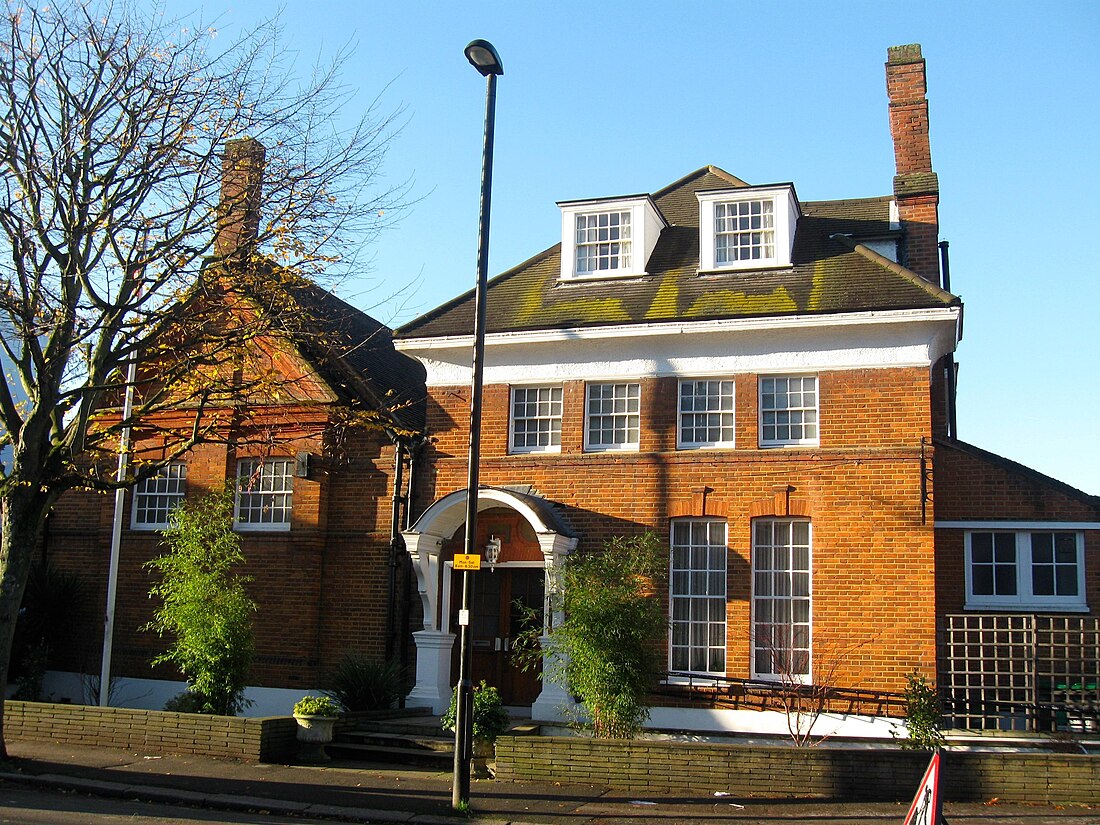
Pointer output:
x,y
151,694
768,723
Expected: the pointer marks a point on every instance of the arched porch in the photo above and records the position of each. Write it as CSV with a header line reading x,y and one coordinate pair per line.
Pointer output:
x,y
534,542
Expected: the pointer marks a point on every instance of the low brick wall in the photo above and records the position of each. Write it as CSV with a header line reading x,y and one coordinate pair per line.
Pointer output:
x,y
785,772
152,731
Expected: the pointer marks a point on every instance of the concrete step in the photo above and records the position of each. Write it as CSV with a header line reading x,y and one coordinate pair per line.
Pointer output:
x,y
387,739
417,726
374,752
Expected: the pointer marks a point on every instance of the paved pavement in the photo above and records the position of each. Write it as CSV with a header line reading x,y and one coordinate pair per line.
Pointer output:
x,y
360,792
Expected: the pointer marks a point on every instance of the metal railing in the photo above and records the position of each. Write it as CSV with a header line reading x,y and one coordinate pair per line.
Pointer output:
x,y
694,690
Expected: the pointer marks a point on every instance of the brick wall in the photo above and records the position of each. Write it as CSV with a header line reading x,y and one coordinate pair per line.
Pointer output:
x,y
152,731
861,489
321,587
785,772
974,485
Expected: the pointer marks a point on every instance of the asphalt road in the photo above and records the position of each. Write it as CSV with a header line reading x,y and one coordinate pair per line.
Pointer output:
x,y
40,806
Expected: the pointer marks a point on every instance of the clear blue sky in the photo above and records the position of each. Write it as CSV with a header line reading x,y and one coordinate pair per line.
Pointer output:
x,y
611,98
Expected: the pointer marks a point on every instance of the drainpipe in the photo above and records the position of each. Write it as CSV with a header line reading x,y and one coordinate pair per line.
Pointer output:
x,y
949,365
395,541
116,536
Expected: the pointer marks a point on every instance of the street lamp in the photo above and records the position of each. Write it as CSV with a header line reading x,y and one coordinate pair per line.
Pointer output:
x,y
484,58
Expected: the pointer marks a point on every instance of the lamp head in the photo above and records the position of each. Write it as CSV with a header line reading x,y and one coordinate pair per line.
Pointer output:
x,y
484,57
492,551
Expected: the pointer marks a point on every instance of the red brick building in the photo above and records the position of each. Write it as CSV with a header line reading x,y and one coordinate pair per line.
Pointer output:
x,y
767,383
318,454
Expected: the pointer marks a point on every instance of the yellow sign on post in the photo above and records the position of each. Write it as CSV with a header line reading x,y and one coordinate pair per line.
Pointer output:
x,y
467,561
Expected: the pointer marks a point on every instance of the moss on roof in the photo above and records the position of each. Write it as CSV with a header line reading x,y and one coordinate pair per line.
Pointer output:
x,y
827,276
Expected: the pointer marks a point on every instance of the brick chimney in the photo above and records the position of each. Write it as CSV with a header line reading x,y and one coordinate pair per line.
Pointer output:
x,y
241,197
916,187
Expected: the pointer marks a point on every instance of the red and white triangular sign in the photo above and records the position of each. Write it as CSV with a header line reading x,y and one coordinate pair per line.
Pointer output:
x,y
927,807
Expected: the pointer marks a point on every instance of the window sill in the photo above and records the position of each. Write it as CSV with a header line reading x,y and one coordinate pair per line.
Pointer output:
x,y
606,275
1027,607
261,528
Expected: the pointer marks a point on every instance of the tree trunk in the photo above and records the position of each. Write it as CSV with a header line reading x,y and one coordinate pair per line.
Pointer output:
x,y
22,510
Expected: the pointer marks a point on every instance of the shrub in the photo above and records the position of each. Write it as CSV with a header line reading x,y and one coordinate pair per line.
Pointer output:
x,y
316,706
489,716
203,606
186,702
361,683
613,621
50,611
922,715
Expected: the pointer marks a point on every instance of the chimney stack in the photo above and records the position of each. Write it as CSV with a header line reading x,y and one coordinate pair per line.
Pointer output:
x,y
241,197
916,187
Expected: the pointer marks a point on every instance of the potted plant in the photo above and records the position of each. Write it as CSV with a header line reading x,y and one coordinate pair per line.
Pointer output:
x,y
316,716
490,720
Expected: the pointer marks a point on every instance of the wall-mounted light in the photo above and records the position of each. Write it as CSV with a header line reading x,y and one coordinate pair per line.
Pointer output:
x,y
492,551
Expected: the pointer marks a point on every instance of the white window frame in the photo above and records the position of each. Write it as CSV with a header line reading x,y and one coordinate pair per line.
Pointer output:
x,y
603,243
762,384
791,578
268,485
1025,598
784,211
552,418
646,224
632,414
162,492
697,595
725,409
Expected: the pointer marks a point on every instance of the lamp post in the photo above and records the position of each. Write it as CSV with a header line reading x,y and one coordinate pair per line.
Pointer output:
x,y
484,58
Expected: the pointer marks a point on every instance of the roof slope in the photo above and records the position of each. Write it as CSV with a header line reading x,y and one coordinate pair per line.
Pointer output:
x,y
827,276
351,351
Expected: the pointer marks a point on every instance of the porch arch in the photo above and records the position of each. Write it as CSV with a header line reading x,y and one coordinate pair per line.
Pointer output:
x,y
424,543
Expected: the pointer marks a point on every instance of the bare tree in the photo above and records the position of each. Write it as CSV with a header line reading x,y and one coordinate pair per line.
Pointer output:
x,y
802,699
113,135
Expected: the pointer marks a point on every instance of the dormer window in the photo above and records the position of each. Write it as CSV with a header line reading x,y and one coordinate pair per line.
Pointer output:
x,y
608,238
603,242
744,231
749,227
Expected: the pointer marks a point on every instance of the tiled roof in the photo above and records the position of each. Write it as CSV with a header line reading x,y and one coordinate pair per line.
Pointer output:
x,y
349,349
828,275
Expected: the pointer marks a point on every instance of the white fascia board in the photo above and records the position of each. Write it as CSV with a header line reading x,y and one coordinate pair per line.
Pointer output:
x,y
547,336
794,344
1018,525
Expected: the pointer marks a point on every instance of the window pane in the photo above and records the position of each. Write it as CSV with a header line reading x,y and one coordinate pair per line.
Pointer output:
x,y
264,493
157,496
603,242
613,415
788,409
706,413
697,585
536,418
781,597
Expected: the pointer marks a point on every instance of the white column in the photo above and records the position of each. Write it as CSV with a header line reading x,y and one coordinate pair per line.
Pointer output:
x,y
555,703
433,671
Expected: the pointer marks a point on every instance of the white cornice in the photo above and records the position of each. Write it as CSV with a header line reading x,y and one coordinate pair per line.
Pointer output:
x,y
541,336
797,344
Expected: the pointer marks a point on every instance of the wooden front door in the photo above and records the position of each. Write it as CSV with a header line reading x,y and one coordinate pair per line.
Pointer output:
x,y
500,605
